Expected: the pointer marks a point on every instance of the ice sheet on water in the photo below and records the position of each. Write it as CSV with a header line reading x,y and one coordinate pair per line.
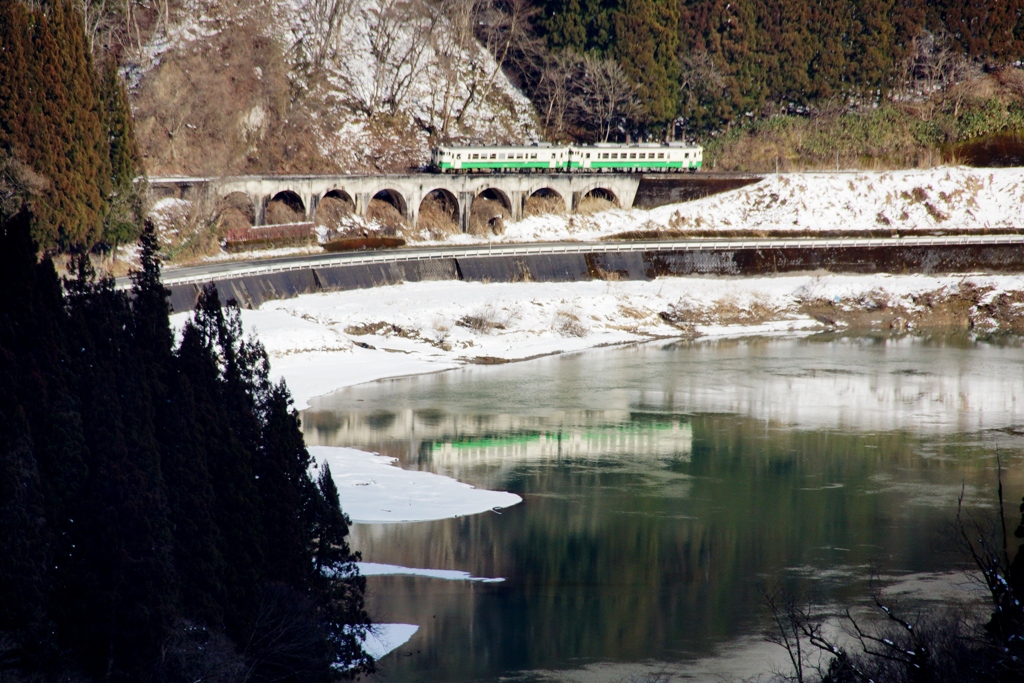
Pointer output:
x,y
373,490
375,569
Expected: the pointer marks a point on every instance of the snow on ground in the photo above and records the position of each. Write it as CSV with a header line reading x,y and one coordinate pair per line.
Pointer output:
x,y
944,198
322,342
373,490
375,569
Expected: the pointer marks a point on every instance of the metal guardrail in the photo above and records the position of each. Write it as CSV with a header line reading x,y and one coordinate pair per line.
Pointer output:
x,y
231,270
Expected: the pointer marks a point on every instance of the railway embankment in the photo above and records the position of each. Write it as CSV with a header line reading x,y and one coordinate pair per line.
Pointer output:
x,y
253,284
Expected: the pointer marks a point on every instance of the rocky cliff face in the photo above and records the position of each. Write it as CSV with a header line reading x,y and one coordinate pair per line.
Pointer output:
x,y
317,86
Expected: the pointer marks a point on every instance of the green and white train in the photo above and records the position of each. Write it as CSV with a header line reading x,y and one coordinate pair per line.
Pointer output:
x,y
542,158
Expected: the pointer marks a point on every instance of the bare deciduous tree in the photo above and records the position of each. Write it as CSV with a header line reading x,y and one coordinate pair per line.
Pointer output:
x,y
701,82
934,66
322,22
506,29
608,97
457,66
555,91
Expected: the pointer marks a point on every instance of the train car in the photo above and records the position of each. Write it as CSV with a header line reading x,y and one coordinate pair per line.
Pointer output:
x,y
541,158
544,158
672,157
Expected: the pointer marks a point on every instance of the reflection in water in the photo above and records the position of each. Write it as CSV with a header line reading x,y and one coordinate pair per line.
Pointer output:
x,y
647,440
663,485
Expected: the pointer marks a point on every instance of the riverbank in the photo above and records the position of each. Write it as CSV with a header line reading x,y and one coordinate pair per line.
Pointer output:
x,y
323,342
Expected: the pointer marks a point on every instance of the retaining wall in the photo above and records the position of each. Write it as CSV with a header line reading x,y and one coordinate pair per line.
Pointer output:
x,y
252,290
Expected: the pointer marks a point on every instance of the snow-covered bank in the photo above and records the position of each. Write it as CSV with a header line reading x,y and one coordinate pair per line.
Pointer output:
x,y
945,198
373,490
323,342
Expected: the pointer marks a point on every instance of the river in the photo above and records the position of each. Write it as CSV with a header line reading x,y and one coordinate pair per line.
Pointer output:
x,y
665,485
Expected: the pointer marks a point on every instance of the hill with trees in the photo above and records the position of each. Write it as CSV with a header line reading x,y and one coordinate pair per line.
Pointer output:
x,y
158,517
370,85
66,135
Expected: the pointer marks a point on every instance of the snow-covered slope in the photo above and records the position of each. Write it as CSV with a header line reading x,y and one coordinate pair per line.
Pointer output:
x,y
918,201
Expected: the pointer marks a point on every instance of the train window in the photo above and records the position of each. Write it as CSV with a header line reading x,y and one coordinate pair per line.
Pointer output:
x,y
661,155
493,155
588,155
632,155
686,156
458,156
533,156
615,155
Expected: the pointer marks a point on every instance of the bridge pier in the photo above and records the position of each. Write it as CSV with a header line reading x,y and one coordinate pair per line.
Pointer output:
x,y
518,200
465,203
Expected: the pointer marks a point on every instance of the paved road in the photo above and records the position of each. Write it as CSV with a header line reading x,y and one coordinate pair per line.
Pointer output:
x,y
223,270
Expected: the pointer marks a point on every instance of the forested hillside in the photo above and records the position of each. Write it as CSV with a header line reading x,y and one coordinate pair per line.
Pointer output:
x,y
158,519
66,137
714,62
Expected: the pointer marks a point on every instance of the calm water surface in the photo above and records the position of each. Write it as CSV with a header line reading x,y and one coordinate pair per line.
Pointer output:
x,y
664,485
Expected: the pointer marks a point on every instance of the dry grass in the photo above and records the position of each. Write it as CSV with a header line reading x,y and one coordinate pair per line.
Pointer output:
x,y
725,311
966,307
537,205
192,234
390,220
225,105
231,219
487,217
568,324
589,205
331,212
438,218
383,329
487,319
279,213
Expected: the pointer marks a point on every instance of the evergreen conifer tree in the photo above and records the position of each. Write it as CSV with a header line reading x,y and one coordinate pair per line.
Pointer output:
x,y
647,46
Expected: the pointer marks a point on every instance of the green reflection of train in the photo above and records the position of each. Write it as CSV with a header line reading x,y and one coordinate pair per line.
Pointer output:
x,y
648,439
543,158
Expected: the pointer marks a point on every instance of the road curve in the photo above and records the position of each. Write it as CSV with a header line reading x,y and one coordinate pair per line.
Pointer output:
x,y
207,272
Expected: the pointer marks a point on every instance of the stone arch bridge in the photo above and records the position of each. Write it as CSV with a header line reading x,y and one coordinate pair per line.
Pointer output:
x,y
406,193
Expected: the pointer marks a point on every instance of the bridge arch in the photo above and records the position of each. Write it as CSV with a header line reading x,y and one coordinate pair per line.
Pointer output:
x,y
333,207
394,198
285,207
438,213
388,208
543,201
340,196
495,195
594,199
490,209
